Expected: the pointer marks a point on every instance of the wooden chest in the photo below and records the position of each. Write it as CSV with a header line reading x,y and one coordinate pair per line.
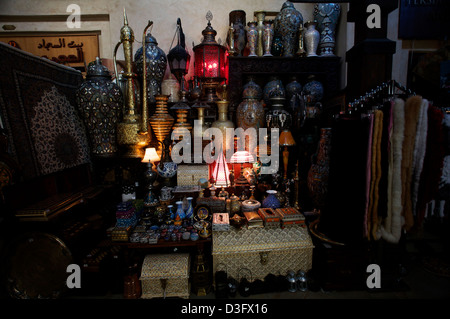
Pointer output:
x,y
189,174
262,250
165,275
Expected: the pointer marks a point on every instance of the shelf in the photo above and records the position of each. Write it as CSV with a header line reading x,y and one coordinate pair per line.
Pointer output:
x,y
326,69
164,244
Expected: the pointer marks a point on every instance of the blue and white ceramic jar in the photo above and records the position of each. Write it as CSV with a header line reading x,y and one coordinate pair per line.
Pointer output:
x,y
327,16
180,211
167,169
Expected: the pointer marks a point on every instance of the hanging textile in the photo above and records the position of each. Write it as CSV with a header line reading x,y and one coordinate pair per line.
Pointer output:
x,y
419,152
376,173
433,162
391,226
412,112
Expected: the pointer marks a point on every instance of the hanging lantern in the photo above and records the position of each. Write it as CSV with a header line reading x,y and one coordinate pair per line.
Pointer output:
x,y
210,61
178,57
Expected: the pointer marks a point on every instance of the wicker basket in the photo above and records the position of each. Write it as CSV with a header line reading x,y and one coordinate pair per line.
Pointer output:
x,y
165,275
263,250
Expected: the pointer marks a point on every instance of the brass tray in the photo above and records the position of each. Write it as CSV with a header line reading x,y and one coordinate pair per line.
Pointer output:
x,y
36,265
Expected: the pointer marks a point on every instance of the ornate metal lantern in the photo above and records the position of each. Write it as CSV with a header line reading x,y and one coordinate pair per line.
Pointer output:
x,y
210,61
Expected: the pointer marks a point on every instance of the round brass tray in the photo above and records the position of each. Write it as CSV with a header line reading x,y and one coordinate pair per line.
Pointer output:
x,y
36,265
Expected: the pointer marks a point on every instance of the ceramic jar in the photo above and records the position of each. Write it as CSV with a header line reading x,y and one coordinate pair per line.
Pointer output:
x,y
311,38
250,114
292,88
327,16
271,200
286,24
238,19
223,123
277,45
268,38
190,209
250,205
252,36
101,102
251,90
314,89
273,88
317,179
156,62
180,212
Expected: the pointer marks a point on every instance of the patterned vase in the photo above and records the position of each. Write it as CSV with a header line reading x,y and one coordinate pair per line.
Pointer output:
x,y
251,90
101,101
273,88
312,38
260,16
180,212
277,45
250,113
293,87
190,209
286,25
161,121
268,38
271,201
314,89
327,16
238,19
252,35
317,179
156,66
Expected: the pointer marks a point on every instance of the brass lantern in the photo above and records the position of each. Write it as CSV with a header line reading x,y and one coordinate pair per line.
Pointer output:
x,y
210,61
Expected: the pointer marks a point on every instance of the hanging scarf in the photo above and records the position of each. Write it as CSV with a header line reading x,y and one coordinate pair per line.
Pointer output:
x,y
391,227
412,112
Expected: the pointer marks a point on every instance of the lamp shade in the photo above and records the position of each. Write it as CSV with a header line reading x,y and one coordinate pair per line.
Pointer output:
x,y
286,138
221,172
150,155
242,157
209,55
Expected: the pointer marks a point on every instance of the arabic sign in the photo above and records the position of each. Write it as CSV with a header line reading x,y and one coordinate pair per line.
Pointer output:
x,y
75,50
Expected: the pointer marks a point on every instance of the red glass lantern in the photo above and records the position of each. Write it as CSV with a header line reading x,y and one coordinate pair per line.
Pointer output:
x,y
210,61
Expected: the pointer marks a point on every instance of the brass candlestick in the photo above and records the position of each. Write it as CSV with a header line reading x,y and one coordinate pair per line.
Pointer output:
x,y
129,132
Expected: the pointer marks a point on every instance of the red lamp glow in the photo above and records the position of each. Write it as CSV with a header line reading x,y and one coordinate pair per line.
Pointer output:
x,y
210,61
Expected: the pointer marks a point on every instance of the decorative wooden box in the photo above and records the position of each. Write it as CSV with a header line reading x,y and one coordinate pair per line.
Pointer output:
x,y
262,250
291,216
189,174
270,217
165,275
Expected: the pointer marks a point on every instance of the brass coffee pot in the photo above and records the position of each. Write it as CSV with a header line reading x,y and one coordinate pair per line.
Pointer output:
x,y
132,132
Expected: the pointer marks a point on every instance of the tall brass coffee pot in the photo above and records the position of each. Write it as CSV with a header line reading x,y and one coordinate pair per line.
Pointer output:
x,y
132,132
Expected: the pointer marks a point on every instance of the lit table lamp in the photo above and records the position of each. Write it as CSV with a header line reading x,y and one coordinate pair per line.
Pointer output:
x,y
241,157
286,139
221,172
150,157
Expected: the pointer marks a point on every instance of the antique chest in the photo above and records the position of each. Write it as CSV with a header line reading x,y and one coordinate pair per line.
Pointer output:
x,y
165,275
189,174
262,250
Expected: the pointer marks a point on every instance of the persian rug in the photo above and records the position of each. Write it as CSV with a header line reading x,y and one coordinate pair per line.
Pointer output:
x,y
38,111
